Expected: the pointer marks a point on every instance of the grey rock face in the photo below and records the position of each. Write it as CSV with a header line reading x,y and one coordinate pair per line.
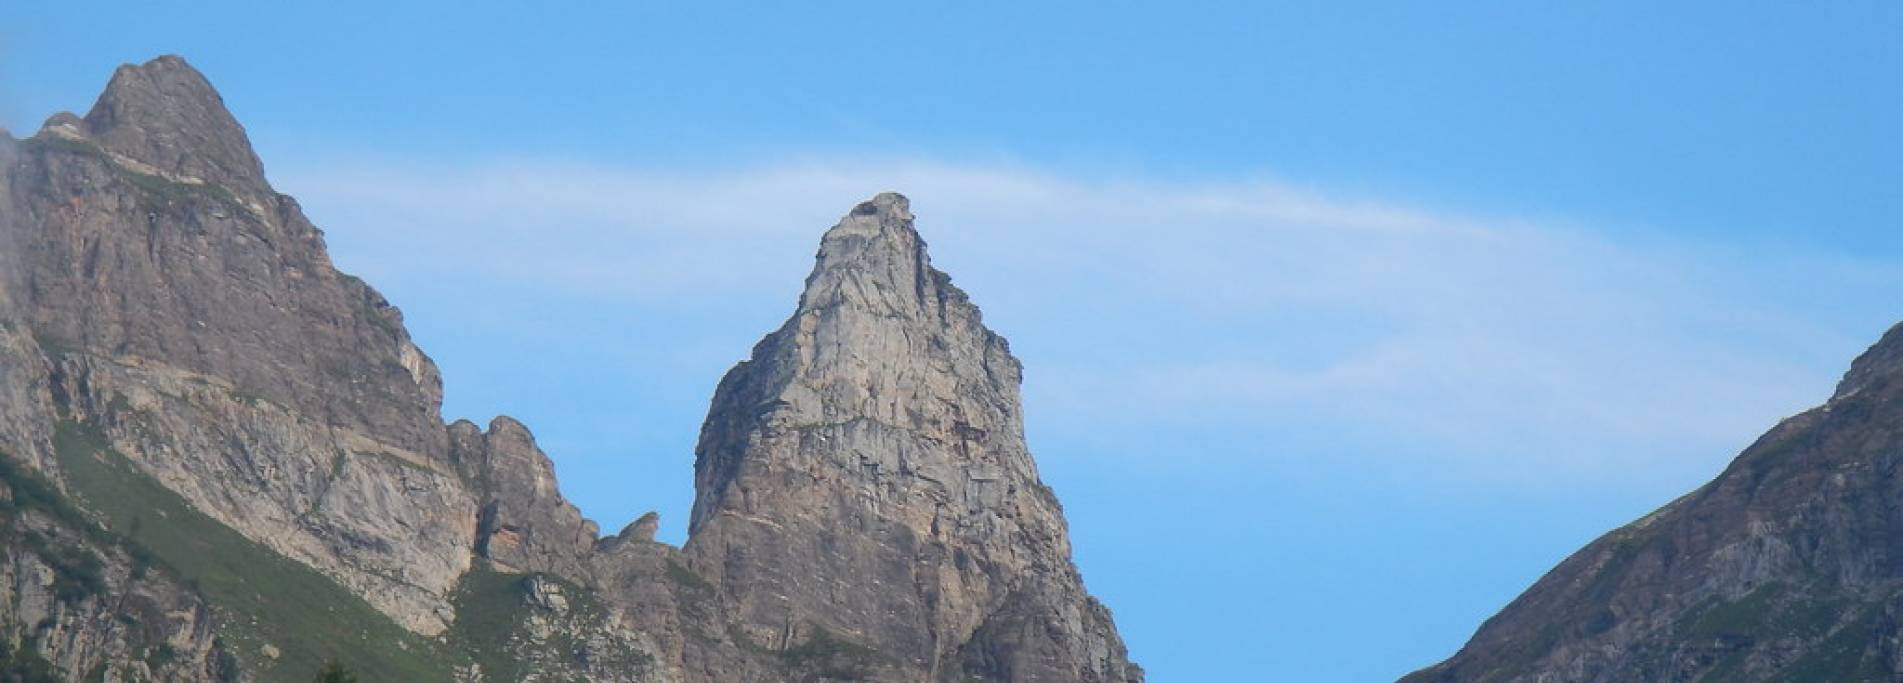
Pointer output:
x,y
863,477
25,419
1787,566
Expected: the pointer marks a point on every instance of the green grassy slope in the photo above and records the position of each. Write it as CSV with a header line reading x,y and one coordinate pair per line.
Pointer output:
x,y
261,597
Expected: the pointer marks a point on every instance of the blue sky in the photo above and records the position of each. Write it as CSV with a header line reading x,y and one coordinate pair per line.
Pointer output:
x,y
1342,323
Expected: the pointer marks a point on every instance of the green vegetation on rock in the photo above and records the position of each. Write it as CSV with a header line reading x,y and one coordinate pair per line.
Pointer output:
x,y
24,666
827,657
488,614
335,673
493,613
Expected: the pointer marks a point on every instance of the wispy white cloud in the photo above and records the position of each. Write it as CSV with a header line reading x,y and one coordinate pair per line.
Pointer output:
x,y
1510,345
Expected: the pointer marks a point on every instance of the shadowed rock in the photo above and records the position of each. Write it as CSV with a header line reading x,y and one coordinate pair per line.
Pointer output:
x,y
1787,566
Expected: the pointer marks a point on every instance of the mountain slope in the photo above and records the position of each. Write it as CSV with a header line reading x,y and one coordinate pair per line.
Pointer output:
x,y
1786,567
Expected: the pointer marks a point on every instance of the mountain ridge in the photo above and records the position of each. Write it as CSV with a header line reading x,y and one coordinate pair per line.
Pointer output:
x,y
183,316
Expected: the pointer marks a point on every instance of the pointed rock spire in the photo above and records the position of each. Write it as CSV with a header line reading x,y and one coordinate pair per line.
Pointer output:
x,y
164,115
875,261
864,478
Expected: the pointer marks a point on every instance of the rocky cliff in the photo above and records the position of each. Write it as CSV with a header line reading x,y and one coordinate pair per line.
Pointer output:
x,y
1786,567
207,397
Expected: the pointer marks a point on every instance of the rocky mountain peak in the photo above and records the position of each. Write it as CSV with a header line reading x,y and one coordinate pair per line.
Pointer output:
x,y
873,260
194,318
877,330
883,214
164,119
883,222
158,238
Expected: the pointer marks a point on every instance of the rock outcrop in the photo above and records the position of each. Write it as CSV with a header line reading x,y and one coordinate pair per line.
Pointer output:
x,y
1786,567
524,524
863,479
